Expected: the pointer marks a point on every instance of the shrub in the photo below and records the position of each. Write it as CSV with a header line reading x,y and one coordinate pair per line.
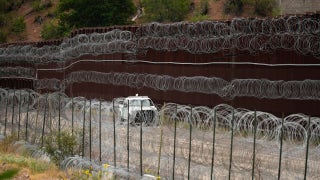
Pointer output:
x,y
3,20
18,25
9,5
50,31
38,5
3,37
233,7
165,10
6,145
204,7
59,146
265,7
199,17
9,174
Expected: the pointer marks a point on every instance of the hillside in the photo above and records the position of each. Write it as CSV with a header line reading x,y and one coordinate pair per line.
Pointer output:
x,y
35,19
36,15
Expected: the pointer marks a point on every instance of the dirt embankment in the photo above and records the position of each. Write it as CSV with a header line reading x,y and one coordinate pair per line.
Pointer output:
x,y
34,21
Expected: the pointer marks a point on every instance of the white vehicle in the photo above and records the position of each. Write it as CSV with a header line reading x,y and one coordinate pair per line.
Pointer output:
x,y
141,109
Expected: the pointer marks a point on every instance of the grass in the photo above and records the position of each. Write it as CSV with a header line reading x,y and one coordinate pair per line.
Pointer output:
x,y
36,169
8,174
14,164
35,166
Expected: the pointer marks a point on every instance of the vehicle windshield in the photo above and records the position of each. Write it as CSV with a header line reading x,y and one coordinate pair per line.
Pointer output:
x,y
137,102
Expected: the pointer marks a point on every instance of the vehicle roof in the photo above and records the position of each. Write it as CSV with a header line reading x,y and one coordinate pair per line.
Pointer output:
x,y
137,97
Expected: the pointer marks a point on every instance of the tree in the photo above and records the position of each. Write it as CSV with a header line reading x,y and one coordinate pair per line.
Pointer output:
x,y
165,10
93,13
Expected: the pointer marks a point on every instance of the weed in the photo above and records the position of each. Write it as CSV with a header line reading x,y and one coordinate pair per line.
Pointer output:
x,y
265,7
6,145
38,5
8,174
60,145
233,7
18,25
51,31
36,166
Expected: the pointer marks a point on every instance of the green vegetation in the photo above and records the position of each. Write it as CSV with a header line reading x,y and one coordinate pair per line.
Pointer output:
x,y
201,13
18,25
38,5
8,24
7,149
165,10
3,37
59,146
93,13
204,7
66,15
233,7
14,161
266,7
36,166
261,7
51,30
87,13
9,174
9,5
3,23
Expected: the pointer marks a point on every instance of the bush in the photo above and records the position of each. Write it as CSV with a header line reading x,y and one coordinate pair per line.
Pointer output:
x,y
89,13
165,10
3,20
51,31
265,7
9,5
204,7
199,17
233,7
6,145
60,146
38,5
18,25
3,36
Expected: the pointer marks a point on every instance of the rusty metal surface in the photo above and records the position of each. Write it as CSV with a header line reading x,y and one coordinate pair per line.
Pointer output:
x,y
225,71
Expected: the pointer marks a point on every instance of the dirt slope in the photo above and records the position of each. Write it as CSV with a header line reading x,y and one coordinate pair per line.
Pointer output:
x,y
34,26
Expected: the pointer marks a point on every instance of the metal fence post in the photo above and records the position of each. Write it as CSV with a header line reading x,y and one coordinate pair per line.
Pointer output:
x,y
254,143
159,156
114,136
190,144
37,117
100,131
83,126
307,149
280,153
213,143
141,172
128,146
19,114
59,121
174,144
44,119
90,132
231,145
72,111
6,116
12,115
27,120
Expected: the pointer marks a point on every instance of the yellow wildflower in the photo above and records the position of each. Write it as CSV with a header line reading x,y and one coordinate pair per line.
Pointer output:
x,y
106,166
